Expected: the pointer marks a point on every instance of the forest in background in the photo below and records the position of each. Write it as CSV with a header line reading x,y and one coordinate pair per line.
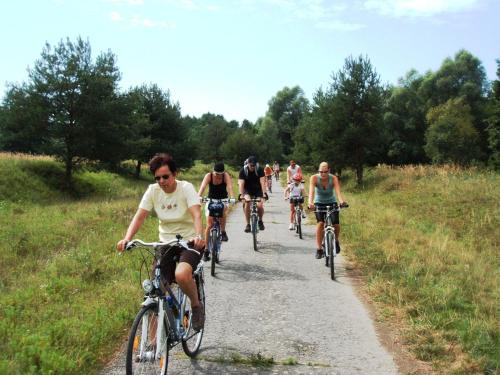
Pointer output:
x,y
70,107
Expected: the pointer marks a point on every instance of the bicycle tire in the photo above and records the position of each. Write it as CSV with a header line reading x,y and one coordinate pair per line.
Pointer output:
x,y
254,232
212,245
298,218
191,340
330,241
150,365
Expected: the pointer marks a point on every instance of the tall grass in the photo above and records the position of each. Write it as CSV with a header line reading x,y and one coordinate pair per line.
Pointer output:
x,y
66,298
427,239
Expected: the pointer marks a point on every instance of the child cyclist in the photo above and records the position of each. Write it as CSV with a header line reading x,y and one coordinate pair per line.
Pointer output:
x,y
295,191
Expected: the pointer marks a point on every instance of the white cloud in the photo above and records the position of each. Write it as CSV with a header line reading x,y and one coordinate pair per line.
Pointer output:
x,y
417,8
194,5
339,25
139,21
115,16
324,14
130,2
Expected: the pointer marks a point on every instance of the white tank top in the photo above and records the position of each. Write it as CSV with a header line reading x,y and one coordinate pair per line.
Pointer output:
x,y
293,171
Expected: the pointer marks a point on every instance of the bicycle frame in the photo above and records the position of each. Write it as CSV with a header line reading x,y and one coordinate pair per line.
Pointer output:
x,y
328,225
170,329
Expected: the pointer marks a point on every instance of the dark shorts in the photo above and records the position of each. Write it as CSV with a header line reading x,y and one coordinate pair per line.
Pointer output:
x,y
174,254
254,194
296,200
320,216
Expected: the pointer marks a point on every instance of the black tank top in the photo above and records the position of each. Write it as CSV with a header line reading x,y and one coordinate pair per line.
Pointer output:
x,y
217,191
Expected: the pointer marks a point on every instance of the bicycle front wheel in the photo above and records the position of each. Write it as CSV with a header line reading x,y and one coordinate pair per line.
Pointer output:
x,y
191,340
142,345
212,246
330,243
298,219
254,232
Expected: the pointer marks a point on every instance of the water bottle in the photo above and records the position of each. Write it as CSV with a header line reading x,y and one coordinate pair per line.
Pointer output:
x,y
171,305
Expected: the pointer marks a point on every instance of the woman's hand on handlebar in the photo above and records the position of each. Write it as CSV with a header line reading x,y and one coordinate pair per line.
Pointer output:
x,y
311,206
120,246
197,243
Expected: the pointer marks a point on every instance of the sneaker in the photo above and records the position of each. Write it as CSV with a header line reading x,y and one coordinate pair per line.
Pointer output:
x,y
319,254
337,245
223,237
261,225
303,215
198,318
206,256
248,229
291,226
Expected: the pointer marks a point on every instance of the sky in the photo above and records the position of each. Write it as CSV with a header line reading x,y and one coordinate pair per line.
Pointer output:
x,y
232,57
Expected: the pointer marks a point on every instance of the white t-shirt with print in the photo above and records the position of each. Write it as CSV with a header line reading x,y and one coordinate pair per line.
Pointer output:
x,y
296,190
172,209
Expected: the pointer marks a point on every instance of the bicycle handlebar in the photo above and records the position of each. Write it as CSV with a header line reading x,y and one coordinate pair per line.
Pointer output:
x,y
139,243
224,200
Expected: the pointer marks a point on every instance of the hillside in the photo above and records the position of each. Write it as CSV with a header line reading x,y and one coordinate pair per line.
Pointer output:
x,y
427,240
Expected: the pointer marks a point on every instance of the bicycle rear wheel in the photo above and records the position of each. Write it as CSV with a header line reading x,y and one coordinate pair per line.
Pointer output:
x,y
141,347
254,232
191,340
330,243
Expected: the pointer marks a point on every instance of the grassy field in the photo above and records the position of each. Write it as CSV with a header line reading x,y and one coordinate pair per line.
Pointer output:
x,y
426,238
66,298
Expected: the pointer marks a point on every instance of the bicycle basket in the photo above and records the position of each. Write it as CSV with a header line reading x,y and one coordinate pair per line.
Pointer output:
x,y
216,209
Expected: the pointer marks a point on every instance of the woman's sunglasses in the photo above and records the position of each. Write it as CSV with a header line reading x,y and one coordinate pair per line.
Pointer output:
x,y
165,177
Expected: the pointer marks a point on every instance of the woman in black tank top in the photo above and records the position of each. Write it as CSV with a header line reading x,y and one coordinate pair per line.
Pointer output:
x,y
220,186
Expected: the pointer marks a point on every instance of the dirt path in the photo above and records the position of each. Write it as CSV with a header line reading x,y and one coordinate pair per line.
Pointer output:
x,y
280,303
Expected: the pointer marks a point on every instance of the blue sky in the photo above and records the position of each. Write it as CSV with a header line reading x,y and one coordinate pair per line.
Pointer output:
x,y
231,57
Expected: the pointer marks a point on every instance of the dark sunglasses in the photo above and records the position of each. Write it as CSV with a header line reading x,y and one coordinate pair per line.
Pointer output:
x,y
165,177
251,165
323,171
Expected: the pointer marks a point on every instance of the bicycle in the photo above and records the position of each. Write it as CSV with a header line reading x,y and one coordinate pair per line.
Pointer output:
x,y
214,240
297,221
254,219
269,183
165,318
329,239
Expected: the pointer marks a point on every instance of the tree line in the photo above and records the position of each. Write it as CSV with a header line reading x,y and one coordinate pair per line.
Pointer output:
x,y
71,107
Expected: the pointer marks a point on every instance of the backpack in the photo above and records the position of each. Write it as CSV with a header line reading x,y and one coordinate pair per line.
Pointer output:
x,y
245,168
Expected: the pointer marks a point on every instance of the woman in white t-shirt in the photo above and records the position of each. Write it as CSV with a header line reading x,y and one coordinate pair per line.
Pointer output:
x,y
178,208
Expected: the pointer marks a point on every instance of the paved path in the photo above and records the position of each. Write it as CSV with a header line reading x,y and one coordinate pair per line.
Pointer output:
x,y
280,303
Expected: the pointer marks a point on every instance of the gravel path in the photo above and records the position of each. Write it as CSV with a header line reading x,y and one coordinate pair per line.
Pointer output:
x,y
280,303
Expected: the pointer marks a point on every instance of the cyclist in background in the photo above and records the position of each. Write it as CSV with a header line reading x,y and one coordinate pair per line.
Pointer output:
x,y
292,170
220,186
252,184
324,190
179,212
276,169
295,191
268,172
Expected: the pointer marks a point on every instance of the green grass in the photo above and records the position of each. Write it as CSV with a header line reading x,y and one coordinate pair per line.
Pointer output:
x,y
66,298
427,240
